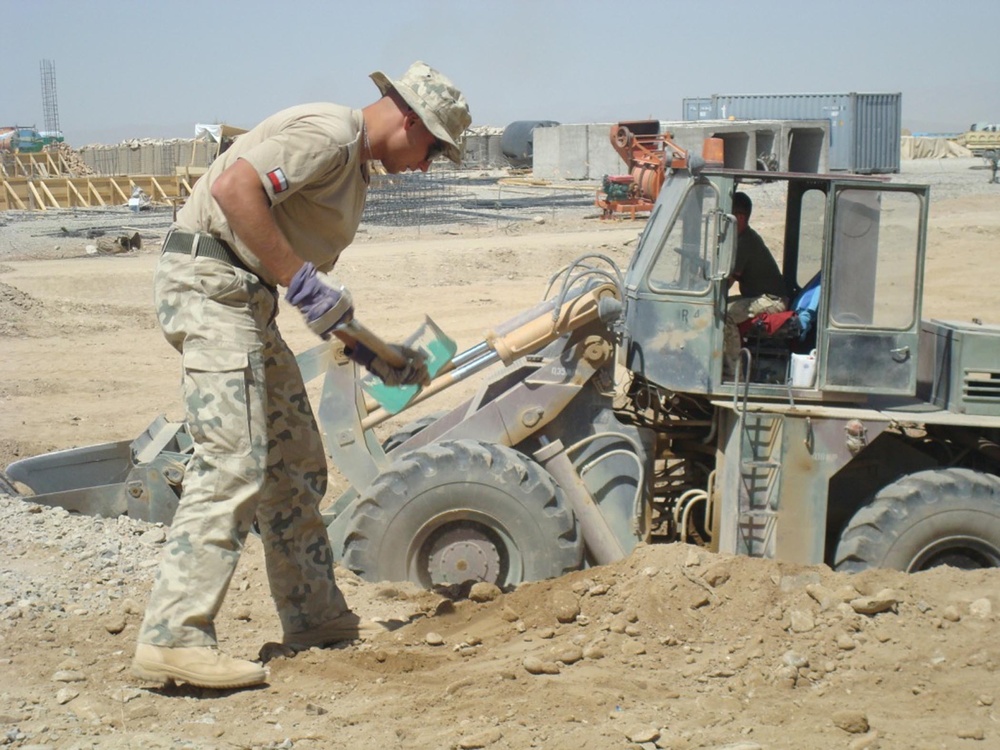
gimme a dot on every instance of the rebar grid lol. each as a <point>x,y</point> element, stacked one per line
<point>411,199</point>
<point>50,102</point>
<point>452,197</point>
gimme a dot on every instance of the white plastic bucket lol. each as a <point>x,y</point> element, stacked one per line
<point>804,370</point>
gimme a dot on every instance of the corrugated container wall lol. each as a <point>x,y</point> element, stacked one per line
<point>865,129</point>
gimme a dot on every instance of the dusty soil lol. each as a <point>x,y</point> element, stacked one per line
<point>673,647</point>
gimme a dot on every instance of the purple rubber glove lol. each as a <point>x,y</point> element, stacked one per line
<point>413,373</point>
<point>324,304</point>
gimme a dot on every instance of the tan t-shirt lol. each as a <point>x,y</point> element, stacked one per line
<point>309,161</point>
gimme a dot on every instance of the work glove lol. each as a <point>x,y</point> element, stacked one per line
<point>324,304</point>
<point>414,372</point>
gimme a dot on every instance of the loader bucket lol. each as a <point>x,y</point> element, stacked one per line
<point>139,478</point>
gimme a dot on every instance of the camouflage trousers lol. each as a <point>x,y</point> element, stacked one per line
<point>257,453</point>
<point>739,311</point>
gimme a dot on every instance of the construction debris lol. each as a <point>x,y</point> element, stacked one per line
<point>76,166</point>
<point>121,244</point>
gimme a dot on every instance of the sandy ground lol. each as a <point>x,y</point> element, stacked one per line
<point>673,647</point>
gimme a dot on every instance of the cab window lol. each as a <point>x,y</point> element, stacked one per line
<point>811,225</point>
<point>875,249</point>
<point>683,260</point>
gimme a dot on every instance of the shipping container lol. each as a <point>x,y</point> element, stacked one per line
<point>699,108</point>
<point>865,129</point>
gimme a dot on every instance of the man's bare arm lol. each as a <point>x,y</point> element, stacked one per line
<point>243,200</point>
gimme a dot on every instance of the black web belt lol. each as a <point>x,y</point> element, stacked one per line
<point>207,246</point>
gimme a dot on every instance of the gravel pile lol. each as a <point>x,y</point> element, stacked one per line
<point>671,648</point>
<point>60,565</point>
<point>949,178</point>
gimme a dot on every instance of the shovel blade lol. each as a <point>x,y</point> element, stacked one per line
<point>435,345</point>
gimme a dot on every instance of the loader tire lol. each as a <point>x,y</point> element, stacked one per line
<point>931,518</point>
<point>460,511</point>
<point>410,429</point>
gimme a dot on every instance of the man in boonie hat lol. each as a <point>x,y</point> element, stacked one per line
<point>275,209</point>
<point>427,97</point>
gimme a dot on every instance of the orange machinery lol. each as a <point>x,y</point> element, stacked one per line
<point>648,153</point>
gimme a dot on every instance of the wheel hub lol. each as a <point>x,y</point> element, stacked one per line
<point>460,554</point>
<point>962,552</point>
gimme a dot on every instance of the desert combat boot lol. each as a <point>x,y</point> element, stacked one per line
<point>345,627</point>
<point>201,666</point>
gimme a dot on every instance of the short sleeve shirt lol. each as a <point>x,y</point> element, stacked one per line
<point>309,161</point>
<point>756,269</point>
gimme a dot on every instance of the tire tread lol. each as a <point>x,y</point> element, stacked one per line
<point>389,492</point>
<point>874,527</point>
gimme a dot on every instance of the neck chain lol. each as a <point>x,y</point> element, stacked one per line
<point>368,148</point>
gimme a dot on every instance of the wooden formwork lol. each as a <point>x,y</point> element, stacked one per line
<point>40,164</point>
<point>25,193</point>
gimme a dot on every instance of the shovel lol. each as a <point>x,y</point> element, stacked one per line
<point>428,339</point>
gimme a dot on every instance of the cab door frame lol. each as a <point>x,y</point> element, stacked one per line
<point>872,288</point>
<point>675,286</point>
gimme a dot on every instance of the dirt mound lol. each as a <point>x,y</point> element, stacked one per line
<point>15,308</point>
<point>673,647</point>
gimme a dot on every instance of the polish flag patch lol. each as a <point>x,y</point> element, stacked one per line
<point>278,180</point>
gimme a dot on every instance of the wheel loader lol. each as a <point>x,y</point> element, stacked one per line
<point>861,437</point>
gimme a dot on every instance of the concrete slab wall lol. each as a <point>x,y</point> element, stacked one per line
<point>575,152</point>
<point>483,152</point>
<point>604,160</point>
<point>562,152</point>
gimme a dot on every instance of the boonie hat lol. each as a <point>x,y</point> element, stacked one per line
<point>437,102</point>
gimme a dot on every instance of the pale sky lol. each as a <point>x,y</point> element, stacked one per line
<point>131,69</point>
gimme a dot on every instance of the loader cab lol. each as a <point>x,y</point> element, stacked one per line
<point>861,240</point>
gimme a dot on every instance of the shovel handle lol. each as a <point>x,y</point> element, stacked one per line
<point>354,331</point>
